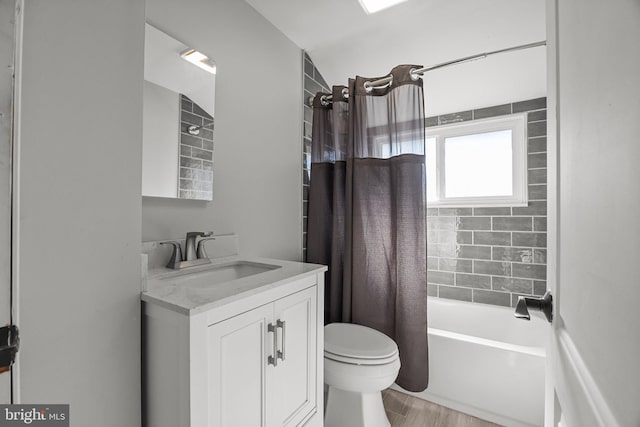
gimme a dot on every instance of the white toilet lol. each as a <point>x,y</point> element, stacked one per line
<point>359,363</point>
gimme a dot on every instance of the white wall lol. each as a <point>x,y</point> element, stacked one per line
<point>257,137</point>
<point>79,242</point>
<point>599,184</point>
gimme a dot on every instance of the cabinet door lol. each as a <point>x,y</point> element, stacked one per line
<point>238,349</point>
<point>293,391</point>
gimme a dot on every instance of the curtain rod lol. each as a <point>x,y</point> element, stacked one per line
<point>416,72</point>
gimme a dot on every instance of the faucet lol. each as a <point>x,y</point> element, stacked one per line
<point>190,244</point>
<point>192,257</point>
<point>544,304</point>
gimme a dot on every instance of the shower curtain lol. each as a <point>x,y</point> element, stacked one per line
<point>367,207</point>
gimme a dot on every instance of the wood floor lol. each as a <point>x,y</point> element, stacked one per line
<point>408,411</point>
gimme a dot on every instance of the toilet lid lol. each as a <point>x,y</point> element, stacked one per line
<point>349,341</point>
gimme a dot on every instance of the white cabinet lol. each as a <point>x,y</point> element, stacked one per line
<point>256,361</point>
<point>262,364</point>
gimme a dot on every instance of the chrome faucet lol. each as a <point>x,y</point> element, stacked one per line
<point>192,256</point>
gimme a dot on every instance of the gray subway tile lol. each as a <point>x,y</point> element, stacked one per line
<point>455,211</point>
<point>537,145</point>
<point>529,271</point>
<point>536,240</point>
<point>537,160</point>
<point>474,252</point>
<point>190,118</point>
<point>535,116</point>
<point>539,287</point>
<point>432,263</point>
<point>188,162</point>
<point>492,297</point>
<point>536,129</point>
<point>512,223</point>
<point>201,154</point>
<point>473,223</point>
<point>510,284</point>
<point>207,145</point>
<point>206,134</point>
<point>308,114</point>
<point>432,235</point>
<point>464,237</point>
<point>473,281</point>
<point>308,68</point>
<point>431,121</point>
<point>208,166</point>
<point>187,173</point>
<point>452,237</point>
<point>534,208</point>
<point>311,85</point>
<point>456,265</point>
<point>432,212</point>
<point>452,292</point>
<point>540,256</point>
<point>185,150</point>
<point>186,184</point>
<point>540,224</point>
<point>537,176</point>
<point>530,104</point>
<point>442,250</point>
<point>432,290</point>
<point>492,211</point>
<point>512,253</point>
<point>190,140</point>
<point>495,268</point>
<point>498,110</point>
<point>440,277</point>
<point>461,116</point>
<point>498,238</point>
<point>185,194</point>
<point>442,223</point>
<point>537,192</point>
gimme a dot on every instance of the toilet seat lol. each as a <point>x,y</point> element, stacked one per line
<point>358,345</point>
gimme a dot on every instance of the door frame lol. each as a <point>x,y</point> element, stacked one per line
<point>15,186</point>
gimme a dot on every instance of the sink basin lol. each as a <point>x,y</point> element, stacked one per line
<point>220,273</point>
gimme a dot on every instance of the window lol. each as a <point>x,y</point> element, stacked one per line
<point>477,163</point>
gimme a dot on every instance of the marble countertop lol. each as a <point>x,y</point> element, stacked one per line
<point>187,291</point>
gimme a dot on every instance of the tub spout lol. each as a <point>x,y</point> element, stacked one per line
<point>543,304</point>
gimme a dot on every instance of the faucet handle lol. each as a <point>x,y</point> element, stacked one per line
<point>176,254</point>
<point>201,253</point>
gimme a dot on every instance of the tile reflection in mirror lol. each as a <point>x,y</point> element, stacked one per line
<point>178,121</point>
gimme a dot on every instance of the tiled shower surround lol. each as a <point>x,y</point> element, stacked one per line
<point>493,254</point>
<point>488,255</point>
<point>313,83</point>
<point>196,152</point>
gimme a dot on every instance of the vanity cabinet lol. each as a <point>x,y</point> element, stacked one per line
<point>253,360</point>
<point>262,364</point>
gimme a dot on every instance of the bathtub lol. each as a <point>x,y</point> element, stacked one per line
<point>485,362</point>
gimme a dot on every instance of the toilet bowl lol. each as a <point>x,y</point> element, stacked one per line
<point>359,362</point>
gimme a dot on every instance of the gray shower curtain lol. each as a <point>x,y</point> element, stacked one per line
<point>367,206</point>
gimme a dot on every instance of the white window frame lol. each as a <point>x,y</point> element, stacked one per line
<point>514,122</point>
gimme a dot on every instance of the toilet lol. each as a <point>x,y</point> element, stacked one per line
<point>359,362</point>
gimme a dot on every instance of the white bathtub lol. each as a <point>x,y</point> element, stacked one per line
<point>485,362</point>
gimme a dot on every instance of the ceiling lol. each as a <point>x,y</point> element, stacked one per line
<point>343,41</point>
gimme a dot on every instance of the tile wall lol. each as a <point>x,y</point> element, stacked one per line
<point>313,83</point>
<point>493,254</point>
<point>196,152</point>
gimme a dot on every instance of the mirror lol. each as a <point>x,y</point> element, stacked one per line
<point>178,119</point>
